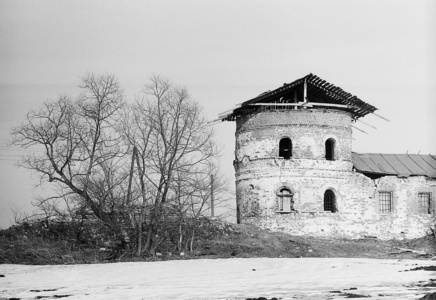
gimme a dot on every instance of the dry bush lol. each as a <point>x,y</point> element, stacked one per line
<point>50,242</point>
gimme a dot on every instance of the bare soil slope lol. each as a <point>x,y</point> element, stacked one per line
<point>251,241</point>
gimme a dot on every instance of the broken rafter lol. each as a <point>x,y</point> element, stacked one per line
<point>305,91</point>
<point>277,104</point>
<point>229,110</point>
<point>222,116</point>
<point>302,104</point>
<point>359,129</point>
<point>329,105</point>
<point>213,122</point>
<point>381,117</point>
<point>309,87</point>
<point>367,124</point>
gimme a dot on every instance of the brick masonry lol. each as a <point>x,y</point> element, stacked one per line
<point>261,173</point>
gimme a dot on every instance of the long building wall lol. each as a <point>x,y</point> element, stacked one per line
<point>358,206</point>
<point>261,174</point>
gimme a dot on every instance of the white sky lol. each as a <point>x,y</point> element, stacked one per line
<point>224,52</point>
<point>230,279</point>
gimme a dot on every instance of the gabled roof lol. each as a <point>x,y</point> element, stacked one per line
<point>307,92</point>
<point>402,165</point>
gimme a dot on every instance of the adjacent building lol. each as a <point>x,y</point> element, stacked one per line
<point>296,172</point>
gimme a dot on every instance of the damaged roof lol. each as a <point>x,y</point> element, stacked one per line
<point>401,165</point>
<point>308,92</point>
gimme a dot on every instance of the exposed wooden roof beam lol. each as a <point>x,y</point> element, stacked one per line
<point>381,117</point>
<point>305,91</point>
<point>310,86</point>
<point>213,122</point>
<point>229,110</point>
<point>359,129</point>
<point>301,104</point>
<point>367,124</point>
<point>277,104</point>
<point>330,105</point>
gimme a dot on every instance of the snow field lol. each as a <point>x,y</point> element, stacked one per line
<point>235,278</point>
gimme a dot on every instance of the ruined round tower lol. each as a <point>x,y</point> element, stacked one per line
<point>287,159</point>
<point>296,172</point>
<point>293,149</point>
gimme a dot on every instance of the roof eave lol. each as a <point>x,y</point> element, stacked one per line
<point>330,93</point>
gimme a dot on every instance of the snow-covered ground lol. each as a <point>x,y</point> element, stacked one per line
<point>236,278</point>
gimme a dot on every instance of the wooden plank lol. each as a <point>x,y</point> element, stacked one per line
<point>301,104</point>
<point>359,129</point>
<point>277,104</point>
<point>329,104</point>
<point>229,110</point>
<point>313,80</point>
<point>367,124</point>
<point>381,117</point>
<point>213,122</point>
<point>305,91</point>
<point>225,115</point>
<point>295,98</point>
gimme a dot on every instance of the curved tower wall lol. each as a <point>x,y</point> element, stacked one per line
<point>261,173</point>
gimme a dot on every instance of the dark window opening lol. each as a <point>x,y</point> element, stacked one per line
<point>424,203</point>
<point>330,201</point>
<point>285,148</point>
<point>286,200</point>
<point>330,149</point>
<point>385,201</point>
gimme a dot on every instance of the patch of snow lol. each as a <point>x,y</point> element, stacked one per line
<point>235,278</point>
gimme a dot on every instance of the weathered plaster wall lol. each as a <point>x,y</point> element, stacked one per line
<point>260,173</point>
<point>358,209</point>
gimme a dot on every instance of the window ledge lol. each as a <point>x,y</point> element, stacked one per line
<point>286,212</point>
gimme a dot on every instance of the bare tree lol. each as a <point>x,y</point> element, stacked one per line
<point>173,141</point>
<point>81,148</point>
<point>193,195</point>
<point>139,168</point>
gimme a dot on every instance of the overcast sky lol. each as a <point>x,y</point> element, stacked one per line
<point>223,52</point>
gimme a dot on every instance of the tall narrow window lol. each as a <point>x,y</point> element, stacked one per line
<point>286,200</point>
<point>329,201</point>
<point>424,203</point>
<point>285,148</point>
<point>330,149</point>
<point>385,202</point>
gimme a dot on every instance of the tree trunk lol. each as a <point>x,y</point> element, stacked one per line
<point>149,247</point>
<point>191,248</point>
<point>139,249</point>
<point>179,244</point>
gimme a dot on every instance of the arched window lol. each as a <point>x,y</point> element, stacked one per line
<point>330,201</point>
<point>330,149</point>
<point>285,199</point>
<point>285,148</point>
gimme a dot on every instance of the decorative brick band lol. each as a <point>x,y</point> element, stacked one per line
<point>293,117</point>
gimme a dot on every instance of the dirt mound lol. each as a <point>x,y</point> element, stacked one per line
<point>39,244</point>
<point>251,241</point>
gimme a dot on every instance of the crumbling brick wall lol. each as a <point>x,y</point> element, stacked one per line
<point>258,135</point>
<point>261,173</point>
